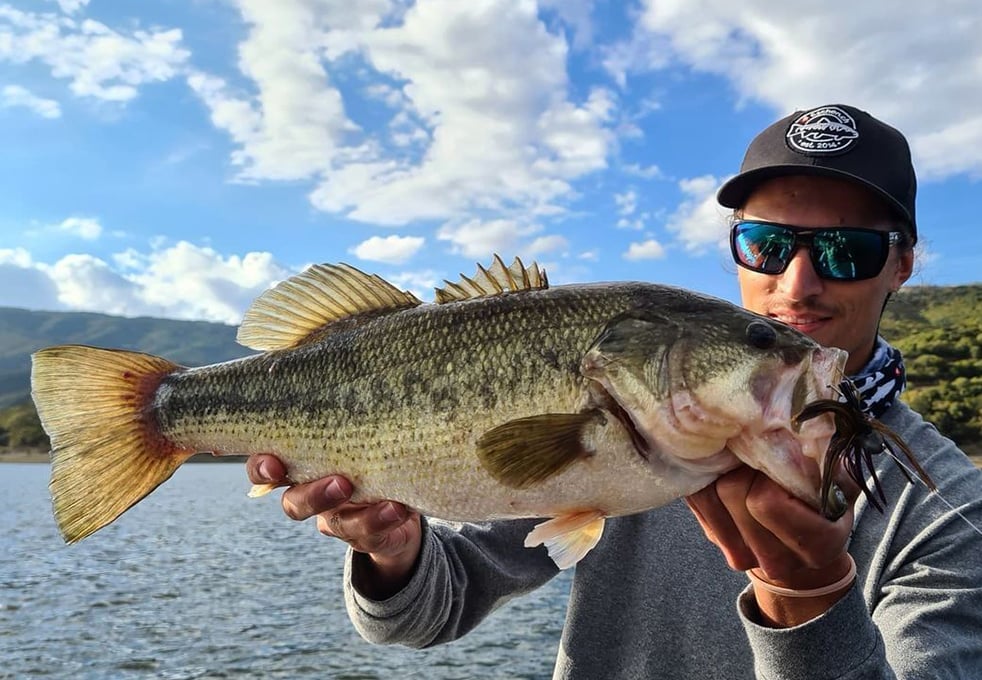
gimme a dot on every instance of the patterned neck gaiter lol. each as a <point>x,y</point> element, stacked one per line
<point>882,380</point>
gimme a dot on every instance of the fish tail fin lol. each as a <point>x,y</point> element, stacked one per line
<point>106,452</point>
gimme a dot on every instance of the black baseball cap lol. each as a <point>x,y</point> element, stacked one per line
<point>835,140</point>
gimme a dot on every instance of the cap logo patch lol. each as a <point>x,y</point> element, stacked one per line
<point>825,130</point>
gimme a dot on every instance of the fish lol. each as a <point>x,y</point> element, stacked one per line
<point>503,398</point>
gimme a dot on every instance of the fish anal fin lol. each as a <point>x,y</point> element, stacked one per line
<point>568,538</point>
<point>298,310</point>
<point>494,280</point>
<point>524,452</point>
<point>106,453</point>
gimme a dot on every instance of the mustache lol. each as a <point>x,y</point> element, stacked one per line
<point>802,308</point>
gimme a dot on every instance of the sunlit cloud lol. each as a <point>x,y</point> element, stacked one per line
<point>650,249</point>
<point>15,96</point>
<point>388,249</point>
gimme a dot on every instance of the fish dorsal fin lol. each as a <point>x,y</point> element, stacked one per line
<point>292,312</point>
<point>495,280</point>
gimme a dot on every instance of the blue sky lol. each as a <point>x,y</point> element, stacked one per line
<point>176,158</point>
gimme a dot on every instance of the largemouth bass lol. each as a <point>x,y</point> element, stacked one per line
<point>504,399</point>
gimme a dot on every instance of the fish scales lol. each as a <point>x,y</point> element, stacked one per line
<point>507,398</point>
<point>401,399</point>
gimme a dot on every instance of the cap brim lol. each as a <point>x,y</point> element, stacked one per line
<point>735,191</point>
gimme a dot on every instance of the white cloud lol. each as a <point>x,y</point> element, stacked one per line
<point>627,202</point>
<point>16,96</point>
<point>16,257</point>
<point>546,244</point>
<point>24,284</point>
<point>181,281</point>
<point>97,61</point>
<point>577,14</point>
<point>479,240</point>
<point>474,130</point>
<point>645,250</point>
<point>191,282</point>
<point>635,224</point>
<point>419,283</point>
<point>906,67</point>
<point>71,6</point>
<point>645,172</point>
<point>83,227</point>
<point>85,282</point>
<point>699,221</point>
<point>293,126</point>
<point>389,249</point>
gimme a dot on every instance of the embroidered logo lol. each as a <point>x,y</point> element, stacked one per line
<point>825,130</point>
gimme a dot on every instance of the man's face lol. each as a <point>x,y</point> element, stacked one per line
<point>843,314</point>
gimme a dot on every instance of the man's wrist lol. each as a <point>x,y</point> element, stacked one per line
<point>785,604</point>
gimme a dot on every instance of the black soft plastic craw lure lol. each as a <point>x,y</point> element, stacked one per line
<point>858,437</point>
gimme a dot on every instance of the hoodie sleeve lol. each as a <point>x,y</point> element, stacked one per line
<point>464,572</point>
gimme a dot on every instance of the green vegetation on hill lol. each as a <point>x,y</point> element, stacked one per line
<point>939,330</point>
<point>190,343</point>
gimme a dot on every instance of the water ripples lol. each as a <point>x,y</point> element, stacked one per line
<point>198,581</point>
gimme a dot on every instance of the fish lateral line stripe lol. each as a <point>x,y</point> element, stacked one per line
<point>106,453</point>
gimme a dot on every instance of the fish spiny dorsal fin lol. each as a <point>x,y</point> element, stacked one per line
<point>293,311</point>
<point>496,280</point>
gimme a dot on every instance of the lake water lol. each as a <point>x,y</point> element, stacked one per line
<point>199,581</point>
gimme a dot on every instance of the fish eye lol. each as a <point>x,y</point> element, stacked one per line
<point>761,335</point>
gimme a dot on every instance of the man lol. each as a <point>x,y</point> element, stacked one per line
<point>823,233</point>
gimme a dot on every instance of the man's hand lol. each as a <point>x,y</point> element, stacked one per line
<point>758,525</point>
<point>387,532</point>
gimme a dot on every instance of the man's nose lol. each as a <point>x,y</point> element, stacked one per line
<point>800,281</point>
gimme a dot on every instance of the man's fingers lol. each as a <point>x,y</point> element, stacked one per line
<point>265,469</point>
<point>306,500</point>
<point>799,529</point>
<point>719,527</point>
<point>368,528</point>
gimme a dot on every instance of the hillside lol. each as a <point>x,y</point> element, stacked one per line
<point>190,343</point>
<point>939,330</point>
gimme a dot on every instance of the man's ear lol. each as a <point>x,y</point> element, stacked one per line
<point>904,268</point>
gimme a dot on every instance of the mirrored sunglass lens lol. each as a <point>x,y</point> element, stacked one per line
<point>842,254</point>
<point>762,247</point>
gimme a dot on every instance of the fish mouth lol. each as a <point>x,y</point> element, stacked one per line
<point>791,452</point>
<point>600,399</point>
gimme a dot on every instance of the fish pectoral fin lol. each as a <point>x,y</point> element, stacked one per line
<point>302,308</point>
<point>526,451</point>
<point>495,280</point>
<point>568,538</point>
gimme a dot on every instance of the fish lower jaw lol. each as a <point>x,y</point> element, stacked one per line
<point>785,458</point>
<point>718,463</point>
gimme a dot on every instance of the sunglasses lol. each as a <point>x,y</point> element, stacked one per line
<point>838,254</point>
